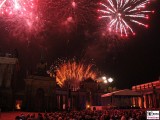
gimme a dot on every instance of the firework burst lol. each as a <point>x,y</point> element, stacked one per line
<point>74,72</point>
<point>23,17</point>
<point>120,15</point>
<point>75,12</point>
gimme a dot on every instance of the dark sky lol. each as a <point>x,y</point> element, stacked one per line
<point>129,61</point>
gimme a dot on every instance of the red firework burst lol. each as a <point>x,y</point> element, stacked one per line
<point>22,16</point>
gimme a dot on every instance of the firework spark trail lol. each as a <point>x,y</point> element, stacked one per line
<point>75,72</point>
<point>122,13</point>
<point>2,3</point>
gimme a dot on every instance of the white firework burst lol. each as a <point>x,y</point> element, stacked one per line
<point>120,15</point>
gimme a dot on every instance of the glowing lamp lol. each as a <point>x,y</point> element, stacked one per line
<point>110,80</point>
<point>105,81</point>
<point>88,106</point>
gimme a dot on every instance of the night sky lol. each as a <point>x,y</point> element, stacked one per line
<point>131,61</point>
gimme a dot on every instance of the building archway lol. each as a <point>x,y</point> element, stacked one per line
<point>39,100</point>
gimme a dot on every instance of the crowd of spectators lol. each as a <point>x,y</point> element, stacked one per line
<point>87,115</point>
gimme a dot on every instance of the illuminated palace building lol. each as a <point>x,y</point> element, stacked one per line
<point>42,93</point>
<point>150,95</point>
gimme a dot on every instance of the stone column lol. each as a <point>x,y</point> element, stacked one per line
<point>149,100</point>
